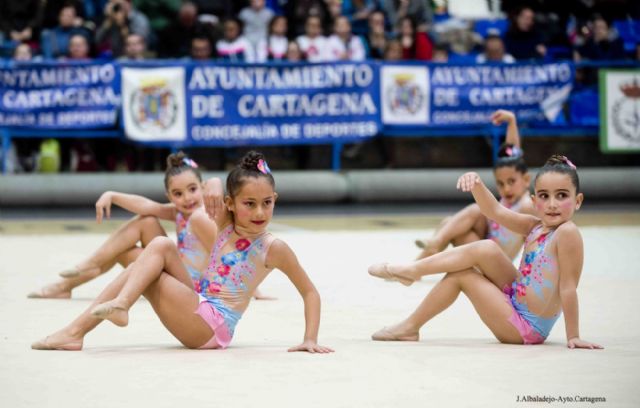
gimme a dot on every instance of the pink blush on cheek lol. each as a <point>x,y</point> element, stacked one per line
<point>241,212</point>
<point>567,205</point>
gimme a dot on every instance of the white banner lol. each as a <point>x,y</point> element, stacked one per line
<point>153,104</point>
<point>404,95</point>
<point>620,111</point>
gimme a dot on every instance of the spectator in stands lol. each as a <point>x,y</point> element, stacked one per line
<point>256,19</point>
<point>54,43</point>
<point>358,12</point>
<point>377,36</point>
<point>459,36</point>
<point>494,51</point>
<point>419,11</point>
<point>416,45</point>
<point>135,48</point>
<point>274,48</point>
<point>440,53</point>
<point>298,12</point>
<point>176,40</point>
<point>22,52</point>
<point>393,51</point>
<point>343,45</point>
<point>603,44</point>
<point>294,53</point>
<point>137,22</point>
<point>79,48</point>
<point>120,20</point>
<point>313,44</point>
<point>522,40</point>
<point>160,13</point>
<point>20,19</point>
<point>234,46</point>
<point>94,10</point>
<point>201,48</point>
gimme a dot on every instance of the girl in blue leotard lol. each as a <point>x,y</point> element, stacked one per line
<point>520,306</point>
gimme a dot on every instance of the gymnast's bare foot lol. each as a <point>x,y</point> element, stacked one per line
<point>113,311</point>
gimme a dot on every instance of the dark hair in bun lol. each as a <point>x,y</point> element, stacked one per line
<point>178,163</point>
<point>511,156</point>
<point>253,164</point>
<point>561,164</point>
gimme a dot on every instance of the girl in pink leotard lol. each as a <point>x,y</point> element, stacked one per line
<point>520,305</point>
<point>203,312</point>
<point>186,194</point>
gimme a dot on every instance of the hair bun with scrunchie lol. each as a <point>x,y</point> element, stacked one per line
<point>250,161</point>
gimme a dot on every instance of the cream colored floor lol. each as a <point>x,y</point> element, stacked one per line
<point>456,363</point>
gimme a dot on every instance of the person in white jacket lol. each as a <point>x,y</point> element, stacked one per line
<point>343,45</point>
<point>234,46</point>
<point>313,44</point>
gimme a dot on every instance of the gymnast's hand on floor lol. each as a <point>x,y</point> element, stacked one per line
<point>311,347</point>
<point>576,342</point>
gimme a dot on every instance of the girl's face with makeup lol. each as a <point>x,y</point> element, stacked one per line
<point>555,199</point>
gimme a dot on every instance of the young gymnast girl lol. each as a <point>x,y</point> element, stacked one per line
<point>469,224</point>
<point>520,306</point>
<point>184,189</point>
<point>203,313</point>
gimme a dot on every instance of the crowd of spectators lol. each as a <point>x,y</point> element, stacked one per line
<point>469,31</point>
<point>319,30</point>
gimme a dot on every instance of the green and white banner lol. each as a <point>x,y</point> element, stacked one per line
<point>620,111</point>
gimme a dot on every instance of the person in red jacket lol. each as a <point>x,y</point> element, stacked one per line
<point>415,45</point>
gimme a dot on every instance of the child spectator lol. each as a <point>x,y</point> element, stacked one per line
<point>234,46</point>
<point>343,45</point>
<point>135,48</point>
<point>201,48</point>
<point>313,44</point>
<point>294,53</point>
<point>274,48</point>
<point>494,51</point>
<point>440,53</point>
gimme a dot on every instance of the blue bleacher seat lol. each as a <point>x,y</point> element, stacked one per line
<point>483,26</point>
<point>556,53</point>
<point>629,32</point>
